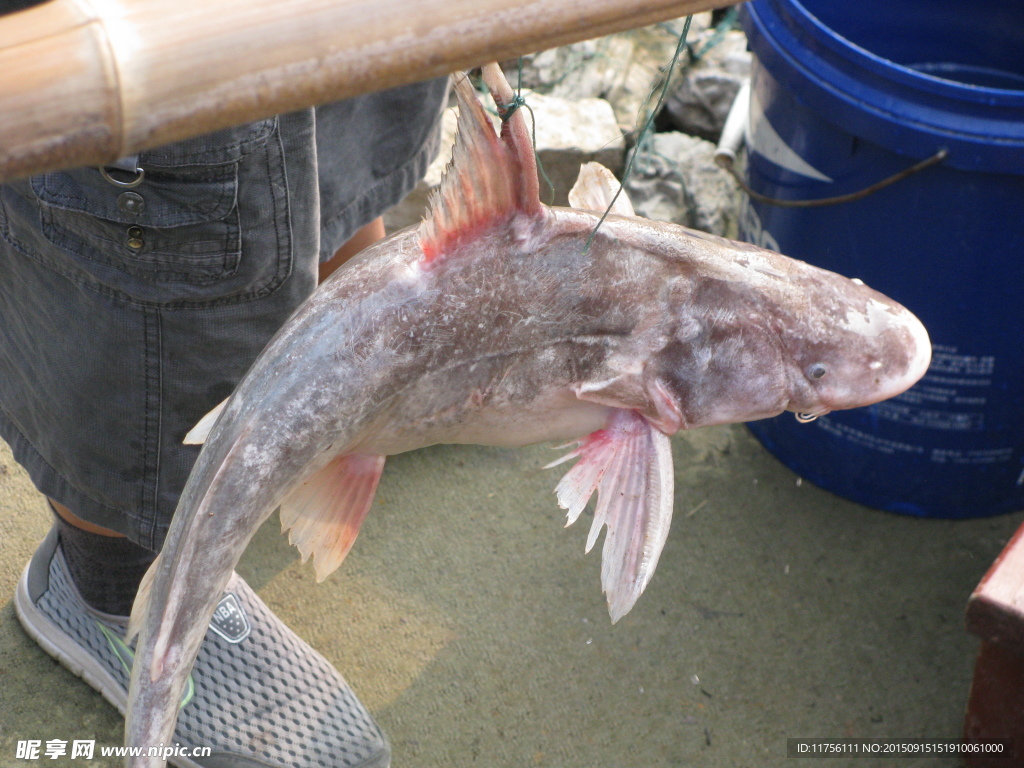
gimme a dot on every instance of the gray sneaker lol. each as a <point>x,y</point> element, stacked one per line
<point>258,696</point>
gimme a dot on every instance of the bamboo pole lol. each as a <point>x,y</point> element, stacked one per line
<point>83,82</point>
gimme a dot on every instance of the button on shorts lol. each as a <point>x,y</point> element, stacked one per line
<point>127,314</point>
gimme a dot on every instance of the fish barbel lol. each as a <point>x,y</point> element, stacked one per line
<point>495,322</point>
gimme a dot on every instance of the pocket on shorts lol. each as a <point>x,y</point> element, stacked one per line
<point>205,225</point>
<point>187,230</point>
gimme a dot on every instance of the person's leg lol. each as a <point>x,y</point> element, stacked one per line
<point>71,518</point>
<point>114,343</point>
<point>106,567</point>
<point>363,238</point>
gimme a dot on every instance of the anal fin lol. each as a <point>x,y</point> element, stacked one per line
<point>198,434</point>
<point>629,464</point>
<point>141,604</point>
<point>323,515</point>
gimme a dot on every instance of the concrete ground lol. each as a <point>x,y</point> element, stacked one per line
<point>473,626</point>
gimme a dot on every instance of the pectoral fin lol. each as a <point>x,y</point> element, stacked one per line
<point>629,464</point>
<point>325,512</point>
<point>652,399</point>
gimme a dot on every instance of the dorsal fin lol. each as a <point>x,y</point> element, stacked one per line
<point>596,189</point>
<point>489,179</point>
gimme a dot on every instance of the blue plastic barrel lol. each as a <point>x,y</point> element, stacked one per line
<point>843,95</point>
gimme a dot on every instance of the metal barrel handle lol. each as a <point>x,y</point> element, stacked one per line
<point>732,139</point>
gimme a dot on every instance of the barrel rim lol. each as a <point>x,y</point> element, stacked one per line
<point>892,70</point>
<point>908,112</point>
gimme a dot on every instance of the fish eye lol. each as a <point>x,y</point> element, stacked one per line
<point>817,370</point>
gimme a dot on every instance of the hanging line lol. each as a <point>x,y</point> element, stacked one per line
<point>645,130</point>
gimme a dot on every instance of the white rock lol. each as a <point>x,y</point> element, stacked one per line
<point>623,68</point>
<point>570,133</point>
<point>674,178</point>
<point>700,102</point>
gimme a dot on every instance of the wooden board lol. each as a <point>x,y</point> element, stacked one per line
<point>995,610</point>
<point>83,82</point>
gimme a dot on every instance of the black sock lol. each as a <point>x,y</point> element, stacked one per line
<point>106,570</point>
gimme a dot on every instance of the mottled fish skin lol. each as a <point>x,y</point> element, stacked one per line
<point>514,335</point>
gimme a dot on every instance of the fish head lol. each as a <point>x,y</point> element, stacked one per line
<point>756,334</point>
<point>848,346</point>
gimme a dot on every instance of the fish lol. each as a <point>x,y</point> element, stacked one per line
<point>501,321</point>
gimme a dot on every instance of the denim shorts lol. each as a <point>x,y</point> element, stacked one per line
<point>127,314</point>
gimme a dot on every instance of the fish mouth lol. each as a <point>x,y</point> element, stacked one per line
<point>806,417</point>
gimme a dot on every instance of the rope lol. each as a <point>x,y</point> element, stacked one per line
<point>645,130</point>
<point>727,23</point>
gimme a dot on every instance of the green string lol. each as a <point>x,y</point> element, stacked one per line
<point>536,156</point>
<point>645,130</point>
<point>505,112</point>
<point>727,23</point>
